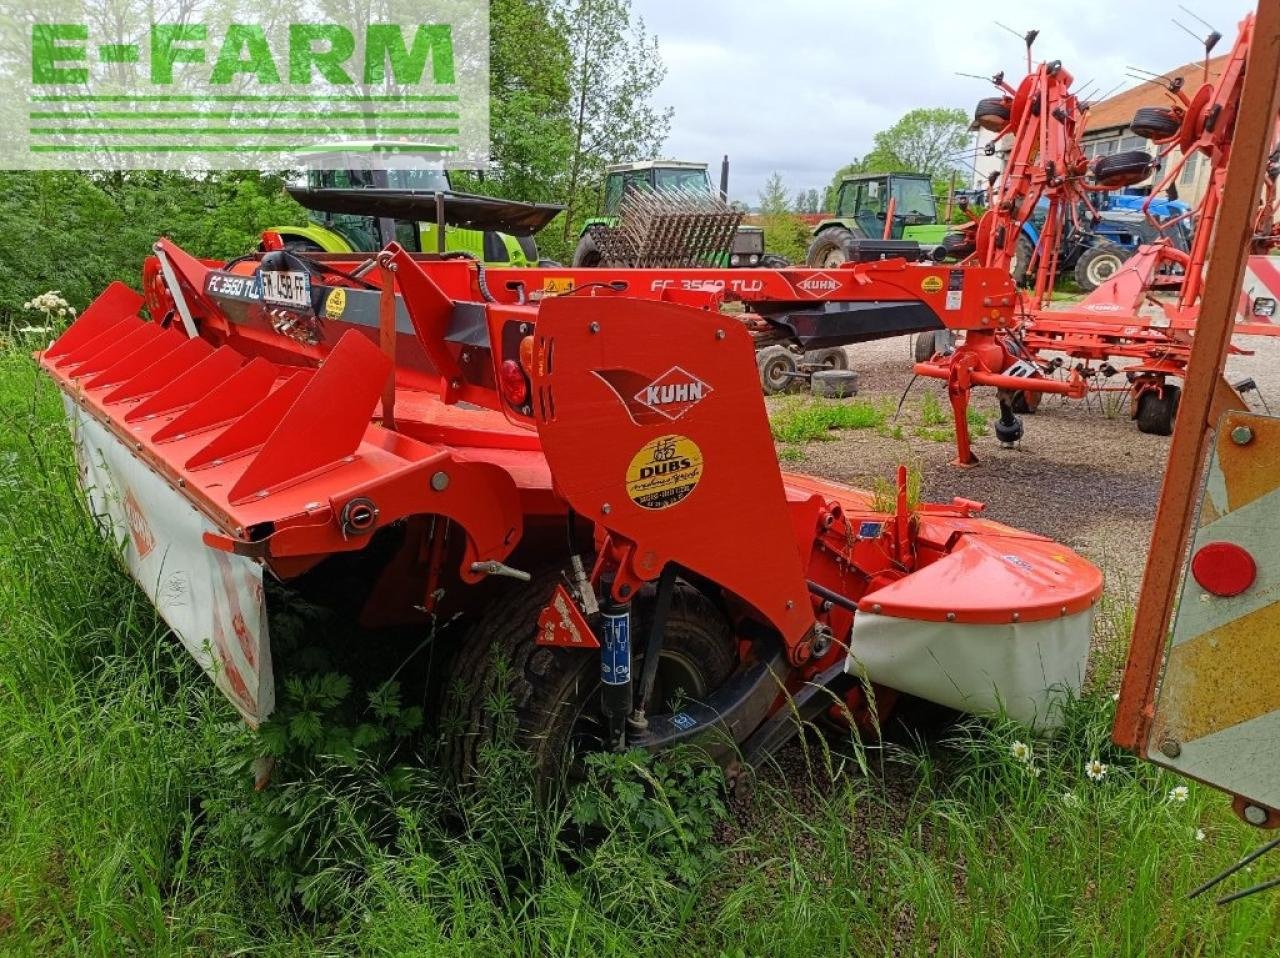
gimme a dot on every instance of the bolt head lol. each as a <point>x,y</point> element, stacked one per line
<point>1170,748</point>
<point>606,508</point>
<point>594,328</point>
<point>440,481</point>
<point>1242,435</point>
<point>951,616</point>
<point>876,608</point>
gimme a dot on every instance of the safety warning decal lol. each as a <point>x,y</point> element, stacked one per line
<point>336,303</point>
<point>931,284</point>
<point>664,472</point>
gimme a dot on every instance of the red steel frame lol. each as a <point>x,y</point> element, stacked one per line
<point>1205,396</point>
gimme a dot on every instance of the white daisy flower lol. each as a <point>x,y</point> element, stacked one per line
<point>1020,751</point>
<point>1095,769</point>
<point>1179,793</point>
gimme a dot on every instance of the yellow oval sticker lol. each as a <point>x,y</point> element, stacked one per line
<point>336,304</point>
<point>664,472</point>
<point>931,284</point>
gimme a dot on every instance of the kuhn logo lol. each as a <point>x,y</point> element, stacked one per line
<point>818,284</point>
<point>673,393</point>
<point>139,528</point>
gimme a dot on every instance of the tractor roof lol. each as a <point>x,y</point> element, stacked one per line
<point>653,165</point>
<point>371,154</point>
<point>902,175</point>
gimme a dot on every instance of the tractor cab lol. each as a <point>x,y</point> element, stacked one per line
<point>360,199</point>
<point>879,215</point>
<point>656,175</point>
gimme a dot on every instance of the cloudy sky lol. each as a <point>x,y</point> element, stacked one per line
<point>801,86</point>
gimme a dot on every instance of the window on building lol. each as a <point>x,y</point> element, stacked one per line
<point>1133,143</point>
<point>1190,171</point>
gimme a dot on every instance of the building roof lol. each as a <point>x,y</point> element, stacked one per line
<point>1115,112</point>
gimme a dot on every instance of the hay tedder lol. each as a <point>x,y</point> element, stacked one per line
<point>558,473</point>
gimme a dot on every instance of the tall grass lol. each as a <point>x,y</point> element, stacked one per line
<point>129,826</point>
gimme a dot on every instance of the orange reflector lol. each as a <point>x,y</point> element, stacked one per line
<point>526,354</point>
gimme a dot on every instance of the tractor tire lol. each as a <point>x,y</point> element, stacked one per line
<point>830,248</point>
<point>775,363</point>
<point>834,358</point>
<point>992,113</point>
<point>1122,169</point>
<point>834,383</point>
<point>1156,413</point>
<point>587,255</point>
<point>1156,123</point>
<point>774,261</point>
<point>1098,264</point>
<point>300,245</point>
<point>959,245</point>
<point>1020,268</point>
<point>553,694</point>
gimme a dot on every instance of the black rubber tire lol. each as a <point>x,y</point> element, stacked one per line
<point>834,383</point>
<point>1156,413</point>
<point>301,245</point>
<point>924,346</point>
<point>1098,264</point>
<point>833,358</point>
<point>548,688</point>
<point>1026,403</point>
<point>992,113</point>
<point>587,255</point>
<point>1020,268</point>
<point>774,362</point>
<point>773,261</point>
<point>1155,123</point>
<point>529,246</point>
<point>829,248</point>
<point>1122,169</point>
<point>959,245</point>
<point>1008,435</point>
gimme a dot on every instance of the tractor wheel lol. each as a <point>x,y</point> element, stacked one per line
<point>554,693</point>
<point>588,253</point>
<point>829,248</point>
<point>1156,413</point>
<point>1020,268</point>
<point>959,245</point>
<point>775,363</point>
<point>833,358</point>
<point>300,245</point>
<point>924,346</point>
<point>1122,169</point>
<point>992,113</point>
<point>1155,123</point>
<point>774,261</point>
<point>1098,264</point>
<point>834,383</point>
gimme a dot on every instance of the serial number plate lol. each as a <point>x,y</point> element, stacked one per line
<point>286,288</point>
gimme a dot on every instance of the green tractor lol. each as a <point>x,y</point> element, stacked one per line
<point>694,227</point>
<point>360,197</point>
<point>863,207</point>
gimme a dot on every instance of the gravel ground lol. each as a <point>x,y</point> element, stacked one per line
<point>1087,480</point>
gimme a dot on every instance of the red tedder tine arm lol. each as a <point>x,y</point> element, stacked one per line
<point>326,422</point>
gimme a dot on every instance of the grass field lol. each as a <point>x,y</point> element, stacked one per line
<point>128,824</point>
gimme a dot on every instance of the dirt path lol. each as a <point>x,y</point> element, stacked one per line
<point>1089,481</point>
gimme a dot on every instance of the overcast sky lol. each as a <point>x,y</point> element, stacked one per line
<point>802,86</point>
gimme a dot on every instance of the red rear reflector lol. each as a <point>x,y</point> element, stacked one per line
<point>515,387</point>
<point>1224,568</point>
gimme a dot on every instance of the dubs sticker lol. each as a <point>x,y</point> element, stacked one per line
<point>336,304</point>
<point>931,284</point>
<point>664,472</point>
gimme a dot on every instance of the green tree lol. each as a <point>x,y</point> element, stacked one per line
<point>615,70</point>
<point>784,232</point>
<point>774,197</point>
<point>926,140</point>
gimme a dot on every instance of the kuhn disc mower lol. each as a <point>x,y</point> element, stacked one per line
<point>589,479</point>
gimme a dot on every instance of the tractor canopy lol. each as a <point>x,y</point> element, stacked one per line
<point>862,207</point>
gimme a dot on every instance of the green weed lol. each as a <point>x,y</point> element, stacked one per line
<point>801,419</point>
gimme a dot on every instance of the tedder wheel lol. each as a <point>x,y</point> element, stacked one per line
<point>774,261</point>
<point>929,344</point>
<point>1098,264</point>
<point>1155,123</point>
<point>1122,169</point>
<point>1026,403</point>
<point>588,253</point>
<point>958,245</point>
<point>1020,268</point>
<point>554,693</point>
<point>829,248</point>
<point>776,363</point>
<point>834,358</point>
<point>1156,413</point>
<point>834,383</point>
<point>992,113</point>
<point>300,245</point>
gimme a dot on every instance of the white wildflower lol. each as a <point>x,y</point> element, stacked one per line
<point>1179,793</point>
<point>1034,771</point>
<point>1095,769</point>
<point>1071,799</point>
<point>1020,751</point>
<point>1199,834</point>
<point>1115,696</point>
